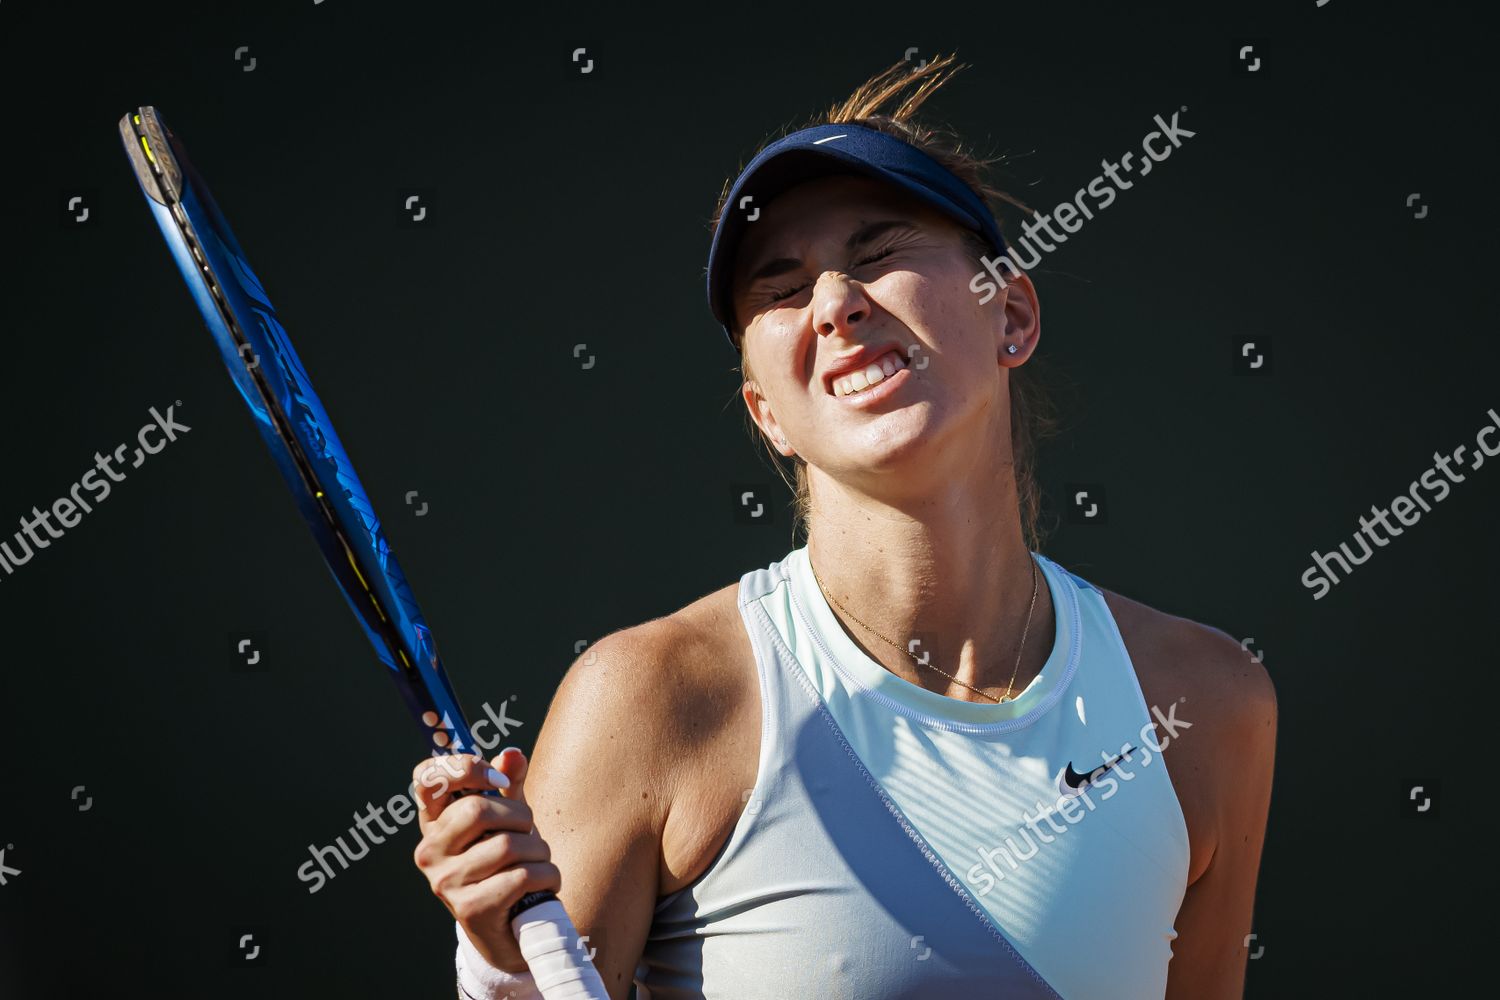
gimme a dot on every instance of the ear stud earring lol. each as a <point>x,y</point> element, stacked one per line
<point>1011,348</point>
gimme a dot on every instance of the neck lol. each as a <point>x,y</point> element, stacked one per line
<point>945,571</point>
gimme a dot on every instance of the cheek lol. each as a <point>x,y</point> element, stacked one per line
<point>934,308</point>
<point>910,296</point>
<point>776,360</point>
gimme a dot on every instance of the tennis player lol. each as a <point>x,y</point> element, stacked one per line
<point>913,758</point>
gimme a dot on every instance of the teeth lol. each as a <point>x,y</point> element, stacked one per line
<point>875,372</point>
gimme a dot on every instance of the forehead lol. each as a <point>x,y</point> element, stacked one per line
<point>825,208</point>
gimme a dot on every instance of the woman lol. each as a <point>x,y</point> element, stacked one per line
<point>913,758</point>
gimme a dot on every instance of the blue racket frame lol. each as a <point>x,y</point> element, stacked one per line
<point>294,425</point>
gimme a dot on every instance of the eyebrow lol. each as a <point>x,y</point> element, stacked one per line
<point>867,233</point>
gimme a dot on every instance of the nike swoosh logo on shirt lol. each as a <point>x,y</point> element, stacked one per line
<point>1075,780</point>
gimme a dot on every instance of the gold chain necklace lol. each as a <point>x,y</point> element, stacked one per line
<point>907,649</point>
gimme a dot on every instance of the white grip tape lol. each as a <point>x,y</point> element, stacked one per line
<point>558,961</point>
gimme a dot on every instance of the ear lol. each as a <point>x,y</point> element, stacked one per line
<point>765,419</point>
<point>1021,318</point>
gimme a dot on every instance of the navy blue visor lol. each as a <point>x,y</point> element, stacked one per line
<point>834,149</point>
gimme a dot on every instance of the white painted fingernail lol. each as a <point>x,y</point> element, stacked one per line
<point>496,778</point>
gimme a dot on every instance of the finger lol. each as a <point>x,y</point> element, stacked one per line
<point>470,821</point>
<point>494,896</point>
<point>436,779</point>
<point>512,763</point>
<point>473,818</point>
<point>495,854</point>
<point>432,784</point>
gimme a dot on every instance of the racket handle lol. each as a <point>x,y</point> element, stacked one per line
<point>549,942</point>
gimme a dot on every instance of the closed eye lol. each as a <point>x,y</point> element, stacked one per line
<point>895,242</point>
<point>782,294</point>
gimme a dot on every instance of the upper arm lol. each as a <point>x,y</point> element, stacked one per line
<point>599,789</point>
<point>1228,777</point>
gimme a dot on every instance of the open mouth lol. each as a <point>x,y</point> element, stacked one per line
<point>863,379</point>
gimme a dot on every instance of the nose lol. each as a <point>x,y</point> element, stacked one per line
<point>838,304</point>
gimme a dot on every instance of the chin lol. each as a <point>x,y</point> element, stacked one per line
<point>894,441</point>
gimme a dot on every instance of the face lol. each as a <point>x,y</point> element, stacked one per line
<point>841,264</point>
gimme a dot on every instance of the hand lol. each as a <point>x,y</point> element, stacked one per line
<point>481,855</point>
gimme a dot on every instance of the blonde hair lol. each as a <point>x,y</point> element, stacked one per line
<point>888,101</point>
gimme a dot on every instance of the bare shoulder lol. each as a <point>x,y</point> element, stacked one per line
<point>658,727</point>
<point>1215,709</point>
<point>1192,664</point>
<point>674,675</point>
<point>634,780</point>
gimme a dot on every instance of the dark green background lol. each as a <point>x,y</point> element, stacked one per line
<point>565,504</point>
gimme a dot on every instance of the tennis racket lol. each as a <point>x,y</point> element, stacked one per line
<point>295,426</point>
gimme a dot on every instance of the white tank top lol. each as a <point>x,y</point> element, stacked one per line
<point>899,843</point>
